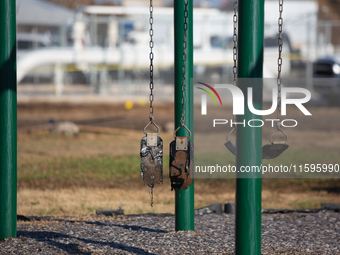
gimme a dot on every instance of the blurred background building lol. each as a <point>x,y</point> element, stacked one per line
<point>101,46</point>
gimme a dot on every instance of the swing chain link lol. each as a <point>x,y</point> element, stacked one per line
<point>151,56</point>
<point>235,52</point>
<point>184,68</point>
<point>235,42</point>
<point>279,65</point>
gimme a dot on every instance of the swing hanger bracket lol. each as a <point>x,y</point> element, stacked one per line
<point>182,141</point>
<point>151,122</point>
<point>187,129</point>
<point>151,137</point>
<point>278,142</point>
<point>231,131</point>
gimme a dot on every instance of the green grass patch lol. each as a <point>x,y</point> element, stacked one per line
<point>84,169</point>
<point>105,170</point>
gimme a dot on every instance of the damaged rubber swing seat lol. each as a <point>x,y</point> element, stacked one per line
<point>181,149</point>
<point>275,148</point>
<point>151,151</point>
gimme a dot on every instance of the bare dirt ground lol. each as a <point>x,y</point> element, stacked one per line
<point>112,130</point>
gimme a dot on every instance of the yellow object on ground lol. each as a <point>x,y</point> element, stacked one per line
<point>128,105</point>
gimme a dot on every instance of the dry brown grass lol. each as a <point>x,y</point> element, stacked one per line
<point>81,201</point>
<point>64,197</point>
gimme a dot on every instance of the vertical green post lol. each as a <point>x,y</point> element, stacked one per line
<point>8,120</point>
<point>249,139</point>
<point>184,199</point>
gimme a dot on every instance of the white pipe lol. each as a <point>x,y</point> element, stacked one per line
<point>127,57</point>
<point>64,56</point>
<point>134,57</point>
<point>140,10</point>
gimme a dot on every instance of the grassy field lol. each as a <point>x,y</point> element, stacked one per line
<point>65,175</point>
<point>60,175</point>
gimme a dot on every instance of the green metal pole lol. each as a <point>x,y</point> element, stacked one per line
<point>249,139</point>
<point>184,199</point>
<point>8,120</point>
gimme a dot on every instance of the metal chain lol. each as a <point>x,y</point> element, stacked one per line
<point>235,50</point>
<point>279,65</point>
<point>151,96</point>
<point>235,42</point>
<point>151,195</point>
<point>184,68</point>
